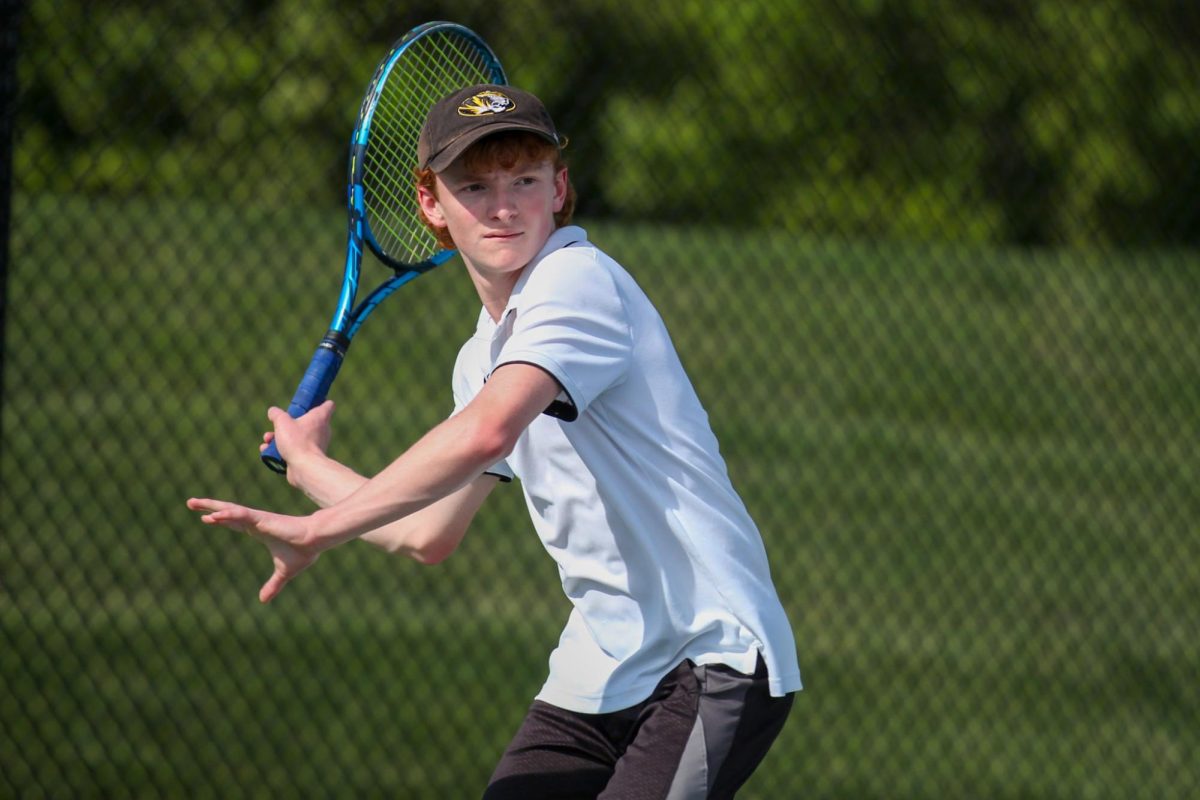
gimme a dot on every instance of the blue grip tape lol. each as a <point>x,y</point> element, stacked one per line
<point>313,389</point>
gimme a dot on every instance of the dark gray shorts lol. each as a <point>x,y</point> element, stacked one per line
<point>699,735</point>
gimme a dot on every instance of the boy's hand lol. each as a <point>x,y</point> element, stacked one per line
<point>286,538</point>
<point>295,437</point>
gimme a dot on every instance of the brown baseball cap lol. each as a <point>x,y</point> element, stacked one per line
<point>459,120</point>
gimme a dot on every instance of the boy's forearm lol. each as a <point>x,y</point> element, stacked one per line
<point>322,479</point>
<point>442,461</point>
<point>326,482</point>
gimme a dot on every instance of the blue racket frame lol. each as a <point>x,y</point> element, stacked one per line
<point>348,317</point>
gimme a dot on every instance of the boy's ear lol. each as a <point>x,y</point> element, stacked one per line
<point>560,189</point>
<point>428,204</point>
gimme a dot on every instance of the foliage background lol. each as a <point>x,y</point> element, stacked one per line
<point>932,266</point>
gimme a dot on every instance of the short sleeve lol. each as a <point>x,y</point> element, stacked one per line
<point>573,323</point>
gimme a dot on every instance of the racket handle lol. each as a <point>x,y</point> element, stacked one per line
<point>313,388</point>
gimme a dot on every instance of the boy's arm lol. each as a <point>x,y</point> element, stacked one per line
<point>427,536</point>
<point>450,457</point>
<point>444,460</point>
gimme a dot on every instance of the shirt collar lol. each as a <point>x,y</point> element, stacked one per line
<point>560,238</point>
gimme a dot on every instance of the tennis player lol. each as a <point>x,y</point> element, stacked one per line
<point>676,668</point>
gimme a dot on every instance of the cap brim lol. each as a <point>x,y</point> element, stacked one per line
<point>459,146</point>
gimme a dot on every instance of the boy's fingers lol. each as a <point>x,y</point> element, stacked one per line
<point>272,587</point>
<point>211,508</point>
<point>218,512</point>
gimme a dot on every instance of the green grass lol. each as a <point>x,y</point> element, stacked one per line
<point>974,471</point>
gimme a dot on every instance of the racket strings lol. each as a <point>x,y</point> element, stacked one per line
<point>432,67</point>
<point>403,110</point>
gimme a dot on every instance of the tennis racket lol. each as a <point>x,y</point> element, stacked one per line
<point>428,63</point>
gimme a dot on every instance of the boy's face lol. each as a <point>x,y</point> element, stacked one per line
<point>499,218</point>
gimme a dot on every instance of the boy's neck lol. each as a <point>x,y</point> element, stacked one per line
<point>494,290</point>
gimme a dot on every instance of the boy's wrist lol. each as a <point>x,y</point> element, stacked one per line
<point>317,531</point>
<point>301,466</point>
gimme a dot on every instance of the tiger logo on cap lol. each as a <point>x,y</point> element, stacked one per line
<point>484,103</point>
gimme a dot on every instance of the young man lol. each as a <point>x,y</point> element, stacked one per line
<point>675,670</point>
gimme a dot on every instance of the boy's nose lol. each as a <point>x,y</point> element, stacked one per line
<point>504,207</point>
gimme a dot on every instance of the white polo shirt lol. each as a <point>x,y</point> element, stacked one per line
<point>627,489</point>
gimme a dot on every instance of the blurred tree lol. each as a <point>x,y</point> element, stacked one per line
<point>1025,121</point>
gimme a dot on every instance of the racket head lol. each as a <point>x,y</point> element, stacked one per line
<point>428,63</point>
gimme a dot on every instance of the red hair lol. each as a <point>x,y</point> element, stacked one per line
<point>503,150</point>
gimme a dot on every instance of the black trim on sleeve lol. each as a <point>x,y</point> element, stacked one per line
<point>503,478</point>
<point>559,409</point>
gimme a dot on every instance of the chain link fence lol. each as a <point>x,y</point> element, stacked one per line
<point>932,266</point>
